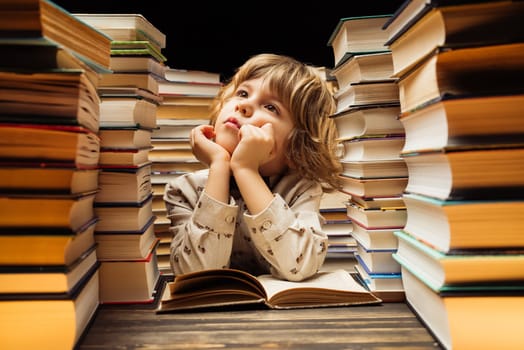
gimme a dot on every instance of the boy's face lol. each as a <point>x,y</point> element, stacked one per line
<point>253,103</point>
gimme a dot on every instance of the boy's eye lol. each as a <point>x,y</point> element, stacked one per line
<point>271,108</point>
<point>241,93</point>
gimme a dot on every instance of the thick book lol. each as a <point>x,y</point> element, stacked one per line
<point>479,23</point>
<point>41,246</point>
<point>116,286</point>
<point>373,148</point>
<point>370,120</point>
<point>481,71</point>
<point>486,319</point>
<point>125,26</point>
<point>54,97</point>
<point>123,217</point>
<point>374,168</point>
<point>462,173</point>
<point>51,144</point>
<point>145,81</point>
<point>363,67</point>
<point>124,185</point>
<point>461,269</point>
<point>374,187</point>
<point>357,35</point>
<point>57,319</point>
<point>387,286</point>
<point>31,211</point>
<point>114,158</point>
<point>35,178</point>
<point>127,111</point>
<point>465,224</point>
<point>137,64</point>
<point>374,238</point>
<point>373,218</point>
<point>462,121</point>
<point>125,137</point>
<point>191,76</point>
<point>39,279</point>
<point>126,245</point>
<point>229,287</point>
<point>366,93</point>
<point>377,260</point>
<point>183,88</point>
<point>44,22</point>
<point>183,111</point>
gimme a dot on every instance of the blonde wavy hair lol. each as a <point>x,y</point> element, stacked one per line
<point>312,145</point>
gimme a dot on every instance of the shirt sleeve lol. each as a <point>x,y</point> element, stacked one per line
<point>202,227</point>
<point>289,236</point>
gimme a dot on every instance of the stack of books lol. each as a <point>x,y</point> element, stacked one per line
<point>125,234</point>
<point>49,153</point>
<point>187,96</point>
<point>371,138</point>
<point>462,249</point>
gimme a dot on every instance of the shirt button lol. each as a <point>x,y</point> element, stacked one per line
<point>267,224</point>
<point>230,219</point>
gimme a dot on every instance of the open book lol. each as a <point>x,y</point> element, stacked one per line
<point>230,287</point>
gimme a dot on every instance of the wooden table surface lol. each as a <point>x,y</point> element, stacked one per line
<point>385,326</point>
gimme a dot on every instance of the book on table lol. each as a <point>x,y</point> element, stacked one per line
<point>357,35</point>
<point>125,27</point>
<point>229,287</point>
<point>58,319</point>
<point>127,111</point>
<point>366,93</point>
<point>130,281</point>
<point>43,22</point>
<point>44,178</point>
<point>455,122</point>
<point>467,172</point>
<point>45,246</point>
<point>386,286</point>
<point>488,318</point>
<point>460,268</point>
<point>479,23</point>
<point>449,225</point>
<point>368,120</point>
<point>52,144</point>
<point>482,70</point>
<point>363,67</point>
<point>64,97</point>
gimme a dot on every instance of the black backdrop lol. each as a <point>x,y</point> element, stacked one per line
<point>218,36</point>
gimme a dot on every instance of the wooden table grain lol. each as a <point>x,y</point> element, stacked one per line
<point>376,327</point>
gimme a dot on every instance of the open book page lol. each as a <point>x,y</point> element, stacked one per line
<point>324,289</point>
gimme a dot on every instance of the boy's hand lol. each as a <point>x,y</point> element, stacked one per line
<point>204,147</point>
<point>255,147</point>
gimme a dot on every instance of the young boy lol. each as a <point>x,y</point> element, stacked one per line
<point>271,153</point>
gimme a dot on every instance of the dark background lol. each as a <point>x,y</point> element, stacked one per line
<point>218,36</point>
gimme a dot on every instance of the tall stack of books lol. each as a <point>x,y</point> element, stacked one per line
<point>49,153</point>
<point>462,248</point>
<point>187,96</point>
<point>129,100</point>
<point>371,137</point>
